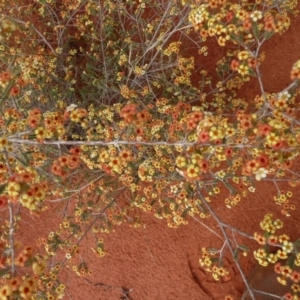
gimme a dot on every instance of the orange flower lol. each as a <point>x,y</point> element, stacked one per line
<point>25,290</point>
<point>2,262</point>
<point>245,122</point>
<point>126,155</point>
<point>28,251</point>
<point>196,116</point>
<point>279,145</point>
<point>269,23</point>
<point>252,62</point>
<point>288,296</point>
<point>191,125</point>
<point>250,167</point>
<point>264,129</point>
<point>5,76</point>
<point>15,283</point>
<point>295,74</point>
<point>35,112</point>
<point>63,160</point>
<point>143,116</point>
<point>75,150</point>
<point>204,165</point>
<point>263,160</point>
<point>33,122</point>
<point>139,131</point>
<point>21,82</point>
<point>228,151</point>
<point>14,91</point>
<point>107,169</point>
<point>203,137</point>
<point>21,260</point>
<point>287,164</point>
<point>259,238</point>
<point>73,161</point>
<point>63,173</point>
<point>295,276</point>
<point>27,177</point>
<point>3,201</point>
<point>128,110</point>
<point>3,142</point>
<point>247,25</point>
<point>234,65</point>
<point>3,168</point>
<point>229,16</point>
<point>272,240</point>
<point>56,168</point>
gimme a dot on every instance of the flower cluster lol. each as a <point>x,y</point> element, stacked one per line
<point>238,23</point>
<point>210,263</point>
<point>295,73</point>
<point>280,251</point>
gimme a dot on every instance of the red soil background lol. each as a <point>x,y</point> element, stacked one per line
<point>156,262</point>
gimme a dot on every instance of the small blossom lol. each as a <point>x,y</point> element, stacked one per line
<point>71,107</point>
<point>261,173</point>
<point>256,15</point>
<point>287,246</point>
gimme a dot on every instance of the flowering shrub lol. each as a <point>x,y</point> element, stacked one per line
<point>104,104</point>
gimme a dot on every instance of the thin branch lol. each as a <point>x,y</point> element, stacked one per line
<point>11,224</point>
<point>151,143</point>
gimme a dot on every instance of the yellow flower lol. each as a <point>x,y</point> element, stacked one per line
<point>13,189</point>
<point>281,280</point>
<point>5,292</point>
<point>272,138</point>
<point>263,262</point>
<point>260,253</point>
<point>192,171</point>
<point>38,267</point>
<point>276,124</point>
<point>243,55</point>
<point>286,271</point>
<point>272,258</point>
<point>181,161</point>
<point>25,290</point>
<point>222,272</point>
<point>281,254</point>
<point>195,158</point>
<point>115,163</point>
<point>287,246</point>
<point>243,70</point>
<point>283,238</point>
<point>278,224</point>
<point>216,133</point>
<point>104,156</point>
<point>40,133</point>
<point>216,276</point>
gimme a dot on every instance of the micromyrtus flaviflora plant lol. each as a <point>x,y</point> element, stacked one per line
<point>106,114</point>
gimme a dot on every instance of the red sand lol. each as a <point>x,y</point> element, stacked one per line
<point>155,262</point>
